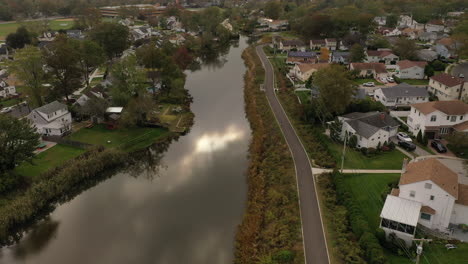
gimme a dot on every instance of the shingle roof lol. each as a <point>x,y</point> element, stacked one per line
<point>433,170</point>
<point>428,210</point>
<point>404,89</point>
<point>362,128</point>
<point>461,127</point>
<point>447,107</point>
<point>50,108</point>
<point>379,53</point>
<point>405,64</point>
<point>378,67</point>
<point>447,79</point>
<point>367,124</point>
<point>317,42</point>
<point>293,42</point>
<point>301,54</point>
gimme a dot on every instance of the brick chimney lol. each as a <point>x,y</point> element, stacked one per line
<point>405,163</point>
<point>382,116</point>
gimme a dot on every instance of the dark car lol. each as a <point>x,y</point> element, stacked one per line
<point>407,145</point>
<point>438,146</point>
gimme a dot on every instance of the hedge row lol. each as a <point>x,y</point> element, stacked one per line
<point>373,251</point>
<point>52,186</point>
<point>270,231</point>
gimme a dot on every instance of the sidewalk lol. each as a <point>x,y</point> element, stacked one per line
<point>317,171</point>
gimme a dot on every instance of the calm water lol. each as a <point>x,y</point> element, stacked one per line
<point>188,212</point>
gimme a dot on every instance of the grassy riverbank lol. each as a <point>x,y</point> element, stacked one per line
<point>271,229</point>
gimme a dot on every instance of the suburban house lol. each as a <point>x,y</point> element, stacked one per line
<point>75,34</point>
<point>438,118</point>
<point>294,44</point>
<point>401,95</point>
<point>446,47</point>
<point>267,24</point>
<point>408,21</point>
<point>95,92</point>
<point>426,54</point>
<point>428,36</point>
<point>447,87</point>
<point>384,56</point>
<point>380,20</point>
<point>6,90</point>
<point>304,71</point>
<point>141,32</point>
<point>430,195</point>
<point>51,119</point>
<point>435,25</point>
<point>331,43</point>
<point>406,69</point>
<point>341,57</point>
<point>369,69</point>
<point>295,57</point>
<point>371,129</point>
<point>389,32</point>
<point>48,36</point>
<point>411,33</point>
<point>4,52</point>
<point>317,44</point>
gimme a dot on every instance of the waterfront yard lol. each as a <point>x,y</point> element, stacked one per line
<point>391,160</point>
<point>128,139</point>
<point>48,159</point>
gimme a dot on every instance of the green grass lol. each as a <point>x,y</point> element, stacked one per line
<point>404,118</point>
<point>304,96</point>
<point>8,28</point>
<point>10,102</point>
<point>48,159</point>
<point>415,82</point>
<point>362,81</point>
<point>391,160</point>
<point>128,139</point>
<point>366,189</point>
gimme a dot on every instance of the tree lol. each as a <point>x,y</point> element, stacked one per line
<point>136,113</point>
<point>273,9</point>
<point>458,141</point>
<point>96,106</point>
<point>183,58</point>
<point>128,81</point>
<point>429,71</point>
<point>357,53</point>
<point>87,17</point>
<point>112,37</point>
<point>28,66</point>
<point>20,38</point>
<point>18,140</point>
<point>378,42</point>
<point>62,58</point>
<point>406,49</point>
<point>392,20</point>
<point>324,54</point>
<point>91,55</point>
<point>419,137</point>
<point>336,88</point>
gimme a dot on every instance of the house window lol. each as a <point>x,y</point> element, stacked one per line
<point>428,186</point>
<point>432,197</point>
<point>426,216</point>
<point>448,117</point>
<point>461,117</point>
<point>412,194</point>
<point>444,130</point>
<point>433,118</point>
<point>453,118</point>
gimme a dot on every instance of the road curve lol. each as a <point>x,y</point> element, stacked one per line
<point>315,247</point>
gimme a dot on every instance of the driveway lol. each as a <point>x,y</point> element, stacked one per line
<point>461,68</point>
<point>315,247</point>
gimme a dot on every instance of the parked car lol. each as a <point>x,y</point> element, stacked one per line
<point>407,145</point>
<point>461,75</point>
<point>403,137</point>
<point>438,146</point>
<point>450,246</point>
<point>390,79</point>
<point>6,110</point>
<point>369,84</point>
<point>383,80</point>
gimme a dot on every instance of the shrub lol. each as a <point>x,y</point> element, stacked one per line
<point>419,137</point>
<point>391,145</point>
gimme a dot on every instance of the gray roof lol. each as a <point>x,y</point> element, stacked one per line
<point>302,54</point>
<point>404,89</point>
<point>50,108</point>
<point>367,124</point>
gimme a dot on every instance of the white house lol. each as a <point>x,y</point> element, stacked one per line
<point>369,69</point>
<point>406,69</point>
<point>331,43</point>
<point>371,129</point>
<point>316,44</point>
<point>287,45</point>
<point>436,119</point>
<point>6,90</point>
<point>436,25</point>
<point>384,56</point>
<point>408,21</point>
<point>447,87</point>
<point>305,70</point>
<point>401,95</point>
<point>52,119</point>
<point>380,20</point>
<point>430,194</point>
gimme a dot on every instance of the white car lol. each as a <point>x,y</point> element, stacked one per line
<point>390,79</point>
<point>403,137</point>
<point>369,84</point>
<point>5,110</point>
<point>383,80</point>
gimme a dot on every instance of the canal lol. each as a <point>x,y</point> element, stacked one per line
<point>186,211</point>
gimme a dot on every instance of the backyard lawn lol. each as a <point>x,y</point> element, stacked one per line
<point>362,81</point>
<point>391,160</point>
<point>58,24</point>
<point>48,159</point>
<point>304,96</point>
<point>415,82</point>
<point>128,139</point>
<point>366,189</point>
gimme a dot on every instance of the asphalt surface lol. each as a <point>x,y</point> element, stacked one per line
<point>315,247</point>
<point>461,68</point>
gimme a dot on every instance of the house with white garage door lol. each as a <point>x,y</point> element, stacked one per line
<point>429,194</point>
<point>402,94</point>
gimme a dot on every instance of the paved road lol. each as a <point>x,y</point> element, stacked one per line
<point>461,68</point>
<point>315,247</point>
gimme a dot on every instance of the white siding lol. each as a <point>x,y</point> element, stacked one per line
<point>459,214</point>
<point>411,73</point>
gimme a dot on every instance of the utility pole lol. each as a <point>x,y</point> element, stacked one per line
<point>344,151</point>
<point>419,249</point>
